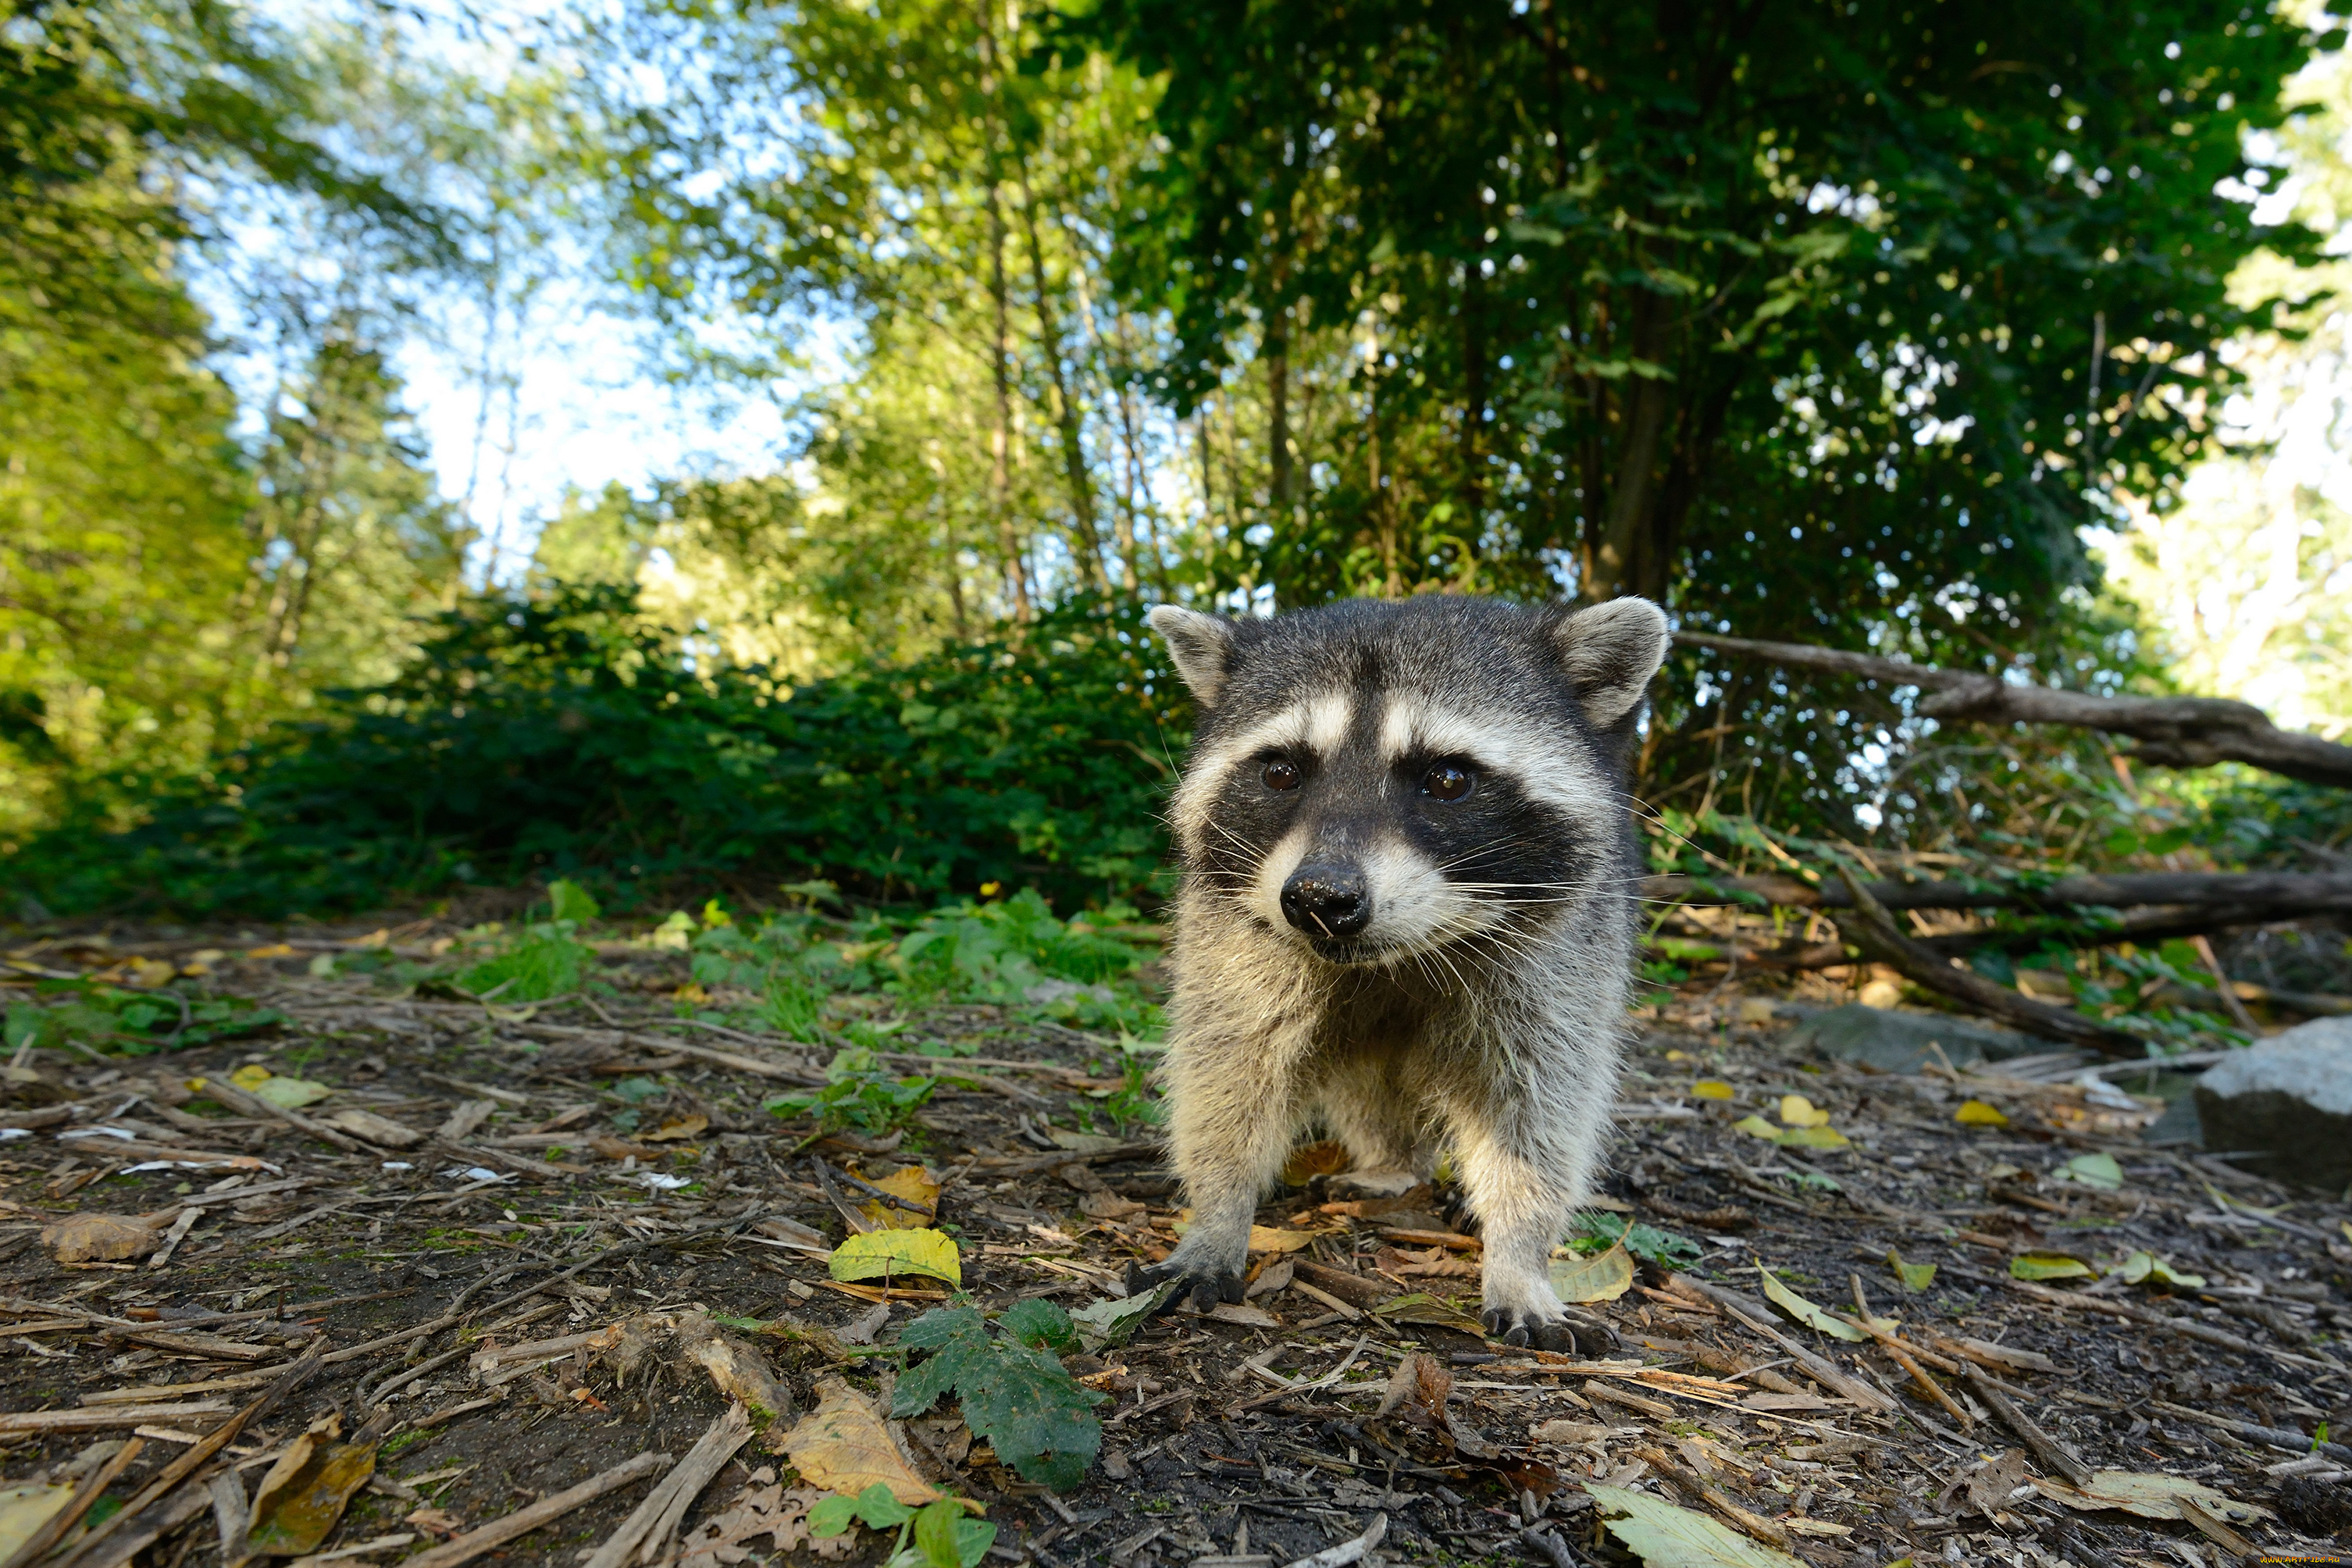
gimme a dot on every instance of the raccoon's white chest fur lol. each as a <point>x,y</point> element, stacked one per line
<point>1406,913</point>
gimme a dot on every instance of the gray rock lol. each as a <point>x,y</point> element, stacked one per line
<point>1900,1041</point>
<point>2288,1099</point>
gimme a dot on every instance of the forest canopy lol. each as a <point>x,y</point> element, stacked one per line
<point>1868,324</point>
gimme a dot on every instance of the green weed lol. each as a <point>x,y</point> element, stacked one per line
<point>859,1095</point>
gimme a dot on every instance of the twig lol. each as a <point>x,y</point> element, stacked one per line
<point>1899,1353</point>
<point>2054,1455</point>
<point>522,1522</point>
<point>235,1098</point>
<point>2280,1437</point>
<point>2186,1328</point>
<point>893,1199</point>
<point>1752,1313</point>
<point>649,1527</point>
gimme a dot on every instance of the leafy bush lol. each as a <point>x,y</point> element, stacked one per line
<point>568,736</point>
<point>127,1022</point>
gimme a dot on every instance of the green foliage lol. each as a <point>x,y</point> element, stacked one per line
<point>567,735</point>
<point>860,1095</point>
<point>1014,1389</point>
<point>540,966</point>
<point>1594,1231</point>
<point>127,1022</point>
<point>944,1535</point>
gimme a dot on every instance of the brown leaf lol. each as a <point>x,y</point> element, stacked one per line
<point>1990,1486</point>
<point>1108,1205</point>
<point>843,1446</point>
<point>740,1371</point>
<point>106,1237</point>
<point>612,1148</point>
<point>1312,1159</point>
<point>378,1129</point>
<point>677,1131</point>
<point>762,1508</point>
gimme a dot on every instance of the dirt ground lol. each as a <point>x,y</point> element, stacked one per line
<point>521,1213</point>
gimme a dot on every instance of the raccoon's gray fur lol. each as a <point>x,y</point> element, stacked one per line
<point>1406,914</point>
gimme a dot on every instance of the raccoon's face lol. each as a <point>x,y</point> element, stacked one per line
<point>1377,781</point>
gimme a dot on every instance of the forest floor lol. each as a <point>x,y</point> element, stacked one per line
<point>553,1234</point>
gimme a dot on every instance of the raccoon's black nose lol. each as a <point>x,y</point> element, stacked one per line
<point>1327,901</point>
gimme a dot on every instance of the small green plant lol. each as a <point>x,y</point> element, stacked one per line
<point>1132,1104</point>
<point>1595,1232</point>
<point>859,1095</point>
<point>937,1535</point>
<point>1014,1390</point>
<point>126,1022</point>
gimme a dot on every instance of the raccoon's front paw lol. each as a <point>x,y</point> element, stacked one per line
<point>1199,1281</point>
<point>1570,1332</point>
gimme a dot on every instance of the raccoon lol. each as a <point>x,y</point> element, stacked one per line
<point>1406,915</point>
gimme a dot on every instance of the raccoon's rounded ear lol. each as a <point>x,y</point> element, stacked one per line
<point>1609,653</point>
<point>1203,646</point>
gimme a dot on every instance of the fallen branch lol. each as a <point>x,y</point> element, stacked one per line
<point>2053,1454</point>
<point>522,1522</point>
<point>1871,928</point>
<point>2281,1438</point>
<point>2172,732</point>
<point>2285,892</point>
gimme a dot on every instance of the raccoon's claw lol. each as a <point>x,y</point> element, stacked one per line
<point>1202,1290</point>
<point>1572,1334</point>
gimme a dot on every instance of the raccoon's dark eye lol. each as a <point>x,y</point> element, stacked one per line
<point>1280,774</point>
<point>1445,782</point>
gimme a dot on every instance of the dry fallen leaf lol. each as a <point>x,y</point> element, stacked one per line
<point>106,1237</point>
<point>740,1371</point>
<point>2149,1495</point>
<point>1309,1161</point>
<point>676,1131</point>
<point>762,1508</point>
<point>843,1447</point>
<point>1266,1239</point>
<point>1977,1113</point>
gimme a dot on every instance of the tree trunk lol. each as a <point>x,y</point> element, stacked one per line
<point>1629,498</point>
<point>1474,395</point>
<point>1277,412</point>
<point>1066,417</point>
<point>1000,439</point>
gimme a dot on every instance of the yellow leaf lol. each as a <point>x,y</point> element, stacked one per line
<point>881,1253</point>
<point>250,1076</point>
<point>24,1510</point>
<point>1813,1138</point>
<point>1665,1536</point>
<point>1603,1277</point>
<point>843,1446</point>
<point>1977,1113</point>
<point>1756,1127</point>
<point>1796,1111</point>
<point>275,949</point>
<point>912,1182</point>
<point>1265,1238</point>
<point>291,1094</point>
<point>1915,1276</point>
<point>1309,1161</point>
<point>676,1131</point>
<point>2048,1265</point>
<point>1804,1311</point>
<point>1711,1089</point>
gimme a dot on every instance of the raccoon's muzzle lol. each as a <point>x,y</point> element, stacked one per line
<point>1327,899</point>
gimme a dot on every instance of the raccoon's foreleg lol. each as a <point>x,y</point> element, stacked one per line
<point>1523,1169</point>
<point>1233,1116</point>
